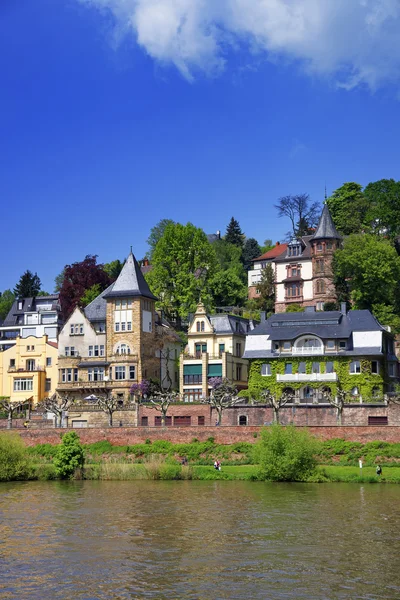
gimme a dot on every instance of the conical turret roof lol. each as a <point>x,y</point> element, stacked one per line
<point>130,282</point>
<point>326,228</point>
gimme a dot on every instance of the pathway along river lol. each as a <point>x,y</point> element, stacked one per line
<point>199,540</point>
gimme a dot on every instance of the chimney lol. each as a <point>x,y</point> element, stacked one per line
<point>343,308</point>
<point>277,244</point>
<point>145,262</point>
<point>218,234</point>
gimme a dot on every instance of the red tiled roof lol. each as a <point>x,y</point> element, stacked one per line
<point>54,344</point>
<point>273,253</point>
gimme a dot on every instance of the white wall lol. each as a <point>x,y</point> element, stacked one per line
<point>258,342</point>
<point>81,343</point>
<point>363,339</point>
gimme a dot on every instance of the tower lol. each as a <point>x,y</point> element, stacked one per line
<point>323,244</point>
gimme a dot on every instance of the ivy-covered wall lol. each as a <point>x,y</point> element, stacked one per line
<point>366,381</point>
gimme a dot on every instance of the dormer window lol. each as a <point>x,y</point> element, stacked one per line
<point>20,305</point>
<point>200,326</point>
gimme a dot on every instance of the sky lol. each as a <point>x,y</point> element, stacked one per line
<point>115,114</point>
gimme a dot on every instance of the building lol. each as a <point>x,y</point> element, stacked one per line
<point>31,317</point>
<point>303,268</point>
<point>311,352</point>
<point>215,349</point>
<point>28,369</point>
<point>113,342</point>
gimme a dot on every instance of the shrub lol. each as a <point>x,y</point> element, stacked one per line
<point>70,456</point>
<point>286,454</point>
<point>14,461</point>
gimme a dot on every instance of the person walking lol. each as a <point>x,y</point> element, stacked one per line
<point>379,470</point>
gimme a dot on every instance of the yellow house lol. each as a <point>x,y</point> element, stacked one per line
<point>28,370</point>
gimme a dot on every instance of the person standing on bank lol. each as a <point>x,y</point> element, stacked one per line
<point>379,470</point>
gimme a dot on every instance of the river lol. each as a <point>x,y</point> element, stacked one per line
<point>199,540</point>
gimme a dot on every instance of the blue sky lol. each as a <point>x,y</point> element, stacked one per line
<point>115,114</point>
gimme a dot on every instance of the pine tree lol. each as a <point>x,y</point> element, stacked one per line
<point>266,289</point>
<point>251,250</point>
<point>28,285</point>
<point>234,235</point>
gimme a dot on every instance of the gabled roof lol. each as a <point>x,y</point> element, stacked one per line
<point>130,282</point>
<point>97,309</point>
<point>326,228</point>
<point>273,253</point>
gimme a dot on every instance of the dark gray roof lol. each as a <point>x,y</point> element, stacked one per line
<point>229,324</point>
<point>93,363</point>
<point>28,305</point>
<point>130,282</point>
<point>97,309</point>
<point>326,228</point>
<point>306,253</point>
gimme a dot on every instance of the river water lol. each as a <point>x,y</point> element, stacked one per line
<point>199,540</point>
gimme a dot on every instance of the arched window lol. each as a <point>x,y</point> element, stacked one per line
<point>242,420</point>
<point>355,391</point>
<point>123,349</point>
<point>320,286</point>
<point>202,327</point>
<point>198,326</point>
<point>308,393</point>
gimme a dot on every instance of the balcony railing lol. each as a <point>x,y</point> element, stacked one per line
<point>305,350</point>
<point>306,377</point>
<point>24,369</point>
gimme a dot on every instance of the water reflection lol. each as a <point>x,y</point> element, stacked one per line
<point>198,540</point>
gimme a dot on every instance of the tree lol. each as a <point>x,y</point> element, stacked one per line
<point>383,197</point>
<point>70,456</point>
<point>78,278</point>
<point>286,453</point>
<point>302,215</point>
<point>109,404</point>
<point>371,268</point>
<point>266,289</point>
<point>90,294</point>
<point>228,288</point>
<point>234,235</point>
<point>156,233</point>
<point>6,301</point>
<point>15,464</point>
<point>251,250</point>
<point>275,402</point>
<point>28,285</point>
<point>267,245</point>
<point>161,401</point>
<point>338,401</point>
<point>113,269</point>
<point>142,389</point>
<point>58,281</point>
<point>184,264</point>
<point>57,405</point>
<point>223,395</point>
<point>386,315</point>
<point>10,408</point>
<point>348,207</point>
<point>293,308</point>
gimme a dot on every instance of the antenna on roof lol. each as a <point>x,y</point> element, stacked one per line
<point>131,249</point>
<point>325,194</point>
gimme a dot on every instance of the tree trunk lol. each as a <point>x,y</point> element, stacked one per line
<point>9,420</point>
<point>275,414</point>
<point>163,415</point>
<point>339,415</point>
<point>110,419</point>
<point>219,413</point>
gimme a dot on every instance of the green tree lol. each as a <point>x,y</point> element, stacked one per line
<point>285,454</point>
<point>6,301</point>
<point>267,245</point>
<point>28,285</point>
<point>386,315</point>
<point>229,257</point>
<point>58,281</point>
<point>228,288</point>
<point>184,264</point>
<point>302,214</point>
<point>156,234</point>
<point>90,294</point>
<point>251,250</point>
<point>383,197</point>
<point>113,269</point>
<point>223,395</point>
<point>14,461</point>
<point>266,289</point>
<point>234,235</point>
<point>292,308</point>
<point>372,269</point>
<point>70,456</point>
<point>348,207</point>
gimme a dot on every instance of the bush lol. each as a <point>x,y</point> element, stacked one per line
<point>285,454</point>
<point>14,461</point>
<point>70,456</point>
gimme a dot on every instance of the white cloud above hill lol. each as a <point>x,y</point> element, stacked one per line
<point>355,42</point>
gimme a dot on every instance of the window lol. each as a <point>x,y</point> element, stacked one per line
<point>12,362</point>
<point>242,420</point>
<point>116,326</point>
<point>96,350</point>
<point>119,372</point>
<point>221,348</point>
<point>132,372</point>
<point>315,367</point>
<point>287,345</point>
<point>320,265</point>
<point>376,392</point>
<point>96,374</point>
<point>330,344</point>
<point>200,348</point>
<point>288,368</point>
<point>266,369</point>
<point>191,379</point>
<point>391,370</point>
<point>238,372</point>
<point>69,375</point>
<point>20,305</point>
<point>355,367</point>
<point>276,345</point>
<point>293,290</point>
<point>182,421</point>
<point>30,365</point>
<point>342,345</point>
<point>201,420</point>
<point>302,367</point>
<point>329,245</point>
<point>329,367</point>
<point>192,395</point>
<point>47,385</point>
<point>30,348</point>
<point>71,329</point>
<point>320,288</point>
<point>76,329</point>
<point>238,349</point>
<point>145,421</point>
<point>129,326</point>
<point>355,391</point>
<point>48,361</point>
<point>308,393</point>
<point>70,351</point>
<point>123,326</point>
<point>319,247</point>
<point>118,305</point>
<point>320,306</point>
<point>374,367</point>
<point>377,420</point>
<point>23,385</point>
<point>200,326</point>
<point>123,349</point>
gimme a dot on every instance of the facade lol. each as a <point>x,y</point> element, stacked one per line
<point>31,317</point>
<point>113,342</point>
<point>215,349</point>
<point>303,268</point>
<point>312,352</point>
<point>28,369</point>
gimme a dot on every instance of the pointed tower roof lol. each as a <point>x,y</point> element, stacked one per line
<point>326,229</point>
<point>130,282</point>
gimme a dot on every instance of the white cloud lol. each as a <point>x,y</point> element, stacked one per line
<point>354,41</point>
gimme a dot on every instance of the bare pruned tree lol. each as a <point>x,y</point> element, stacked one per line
<point>276,402</point>
<point>108,404</point>
<point>302,214</point>
<point>161,401</point>
<point>223,395</point>
<point>57,405</point>
<point>338,401</point>
<point>10,407</point>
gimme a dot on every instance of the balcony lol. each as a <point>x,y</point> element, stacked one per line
<point>25,370</point>
<point>307,377</point>
<point>307,351</point>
